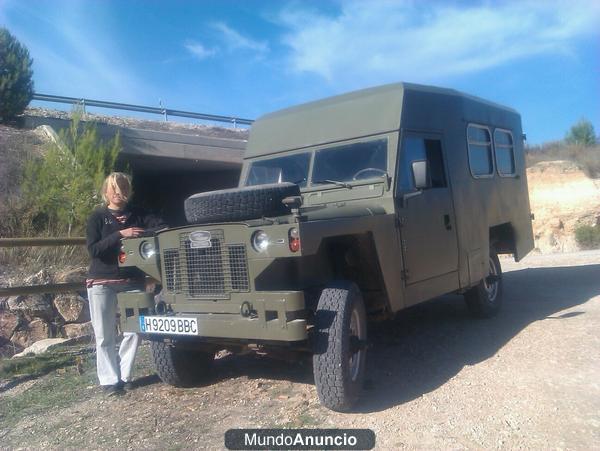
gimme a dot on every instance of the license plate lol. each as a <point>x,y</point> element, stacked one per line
<point>168,325</point>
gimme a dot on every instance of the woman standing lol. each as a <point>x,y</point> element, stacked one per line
<point>105,228</point>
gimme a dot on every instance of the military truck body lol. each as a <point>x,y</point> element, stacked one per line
<point>402,193</point>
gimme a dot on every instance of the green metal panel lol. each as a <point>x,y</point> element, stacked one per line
<point>361,113</point>
<point>271,321</point>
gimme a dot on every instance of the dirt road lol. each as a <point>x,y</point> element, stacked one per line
<point>437,379</point>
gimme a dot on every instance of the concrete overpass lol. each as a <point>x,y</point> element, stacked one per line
<point>169,161</point>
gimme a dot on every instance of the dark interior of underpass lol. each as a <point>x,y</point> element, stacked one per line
<point>162,185</point>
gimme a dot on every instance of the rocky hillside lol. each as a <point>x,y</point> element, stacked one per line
<point>16,147</point>
<point>562,197</point>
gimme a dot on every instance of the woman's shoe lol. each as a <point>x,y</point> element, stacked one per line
<point>112,390</point>
<point>127,385</point>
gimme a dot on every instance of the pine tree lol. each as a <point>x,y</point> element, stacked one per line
<point>16,85</point>
<point>581,134</point>
<point>62,188</point>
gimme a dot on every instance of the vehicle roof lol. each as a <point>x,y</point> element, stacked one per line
<point>365,112</point>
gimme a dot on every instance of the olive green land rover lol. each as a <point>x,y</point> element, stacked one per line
<point>348,210</point>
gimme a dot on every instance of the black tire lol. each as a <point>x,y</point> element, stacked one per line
<point>178,366</point>
<point>485,299</point>
<point>238,204</point>
<point>339,379</point>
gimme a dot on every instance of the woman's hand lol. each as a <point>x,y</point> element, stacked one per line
<point>131,232</point>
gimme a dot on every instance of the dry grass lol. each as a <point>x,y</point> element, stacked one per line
<point>17,223</point>
<point>30,260</point>
<point>587,158</point>
<point>16,147</point>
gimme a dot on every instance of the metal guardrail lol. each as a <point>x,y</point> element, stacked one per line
<point>165,112</point>
<point>41,289</point>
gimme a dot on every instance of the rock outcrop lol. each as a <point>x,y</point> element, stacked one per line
<point>36,330</point>
<point>31,306</point>
<point>72,308</point>
<point>26,319</point>
<point>78,330</point>
<point>562,198</point>
<point>41,346</point>
<point>8,324</point>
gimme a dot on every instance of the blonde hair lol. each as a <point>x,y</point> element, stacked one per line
<point>120,183</point>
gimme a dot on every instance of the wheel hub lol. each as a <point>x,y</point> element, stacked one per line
<point>357,336</point>
<point>491,282</point>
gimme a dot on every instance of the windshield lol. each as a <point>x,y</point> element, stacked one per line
<point>291,168</point>
<point>340,164</point>
<point>351,162</point>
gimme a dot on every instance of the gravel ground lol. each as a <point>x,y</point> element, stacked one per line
<point>437,379</point>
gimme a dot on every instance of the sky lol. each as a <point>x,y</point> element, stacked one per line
<point>248,58</point>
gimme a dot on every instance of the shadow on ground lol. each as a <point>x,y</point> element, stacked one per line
<point>426,345</point>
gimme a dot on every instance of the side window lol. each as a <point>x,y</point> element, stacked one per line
<point>505,155</point>
<point>480,151</point>
<point>415,148</point>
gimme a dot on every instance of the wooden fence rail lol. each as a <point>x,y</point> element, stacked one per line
<point>30,242</point>
<point>40,289</point>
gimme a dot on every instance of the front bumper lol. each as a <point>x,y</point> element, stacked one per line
<point>277,316</point>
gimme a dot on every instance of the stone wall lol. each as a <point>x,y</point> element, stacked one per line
<point>25,319</point>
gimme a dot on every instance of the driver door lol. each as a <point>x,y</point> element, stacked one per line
<point>426,216</point>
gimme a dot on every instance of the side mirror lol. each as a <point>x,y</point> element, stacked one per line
<point>420,174</point>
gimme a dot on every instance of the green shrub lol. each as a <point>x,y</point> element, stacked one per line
<point>16,85</point>
<point>61,189</point>
<point>588,237</point>
<point>581,134</point>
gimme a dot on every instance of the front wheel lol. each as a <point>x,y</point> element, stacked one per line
<point>340,353</point>
<point>178,366</point>
<point>485,299</point>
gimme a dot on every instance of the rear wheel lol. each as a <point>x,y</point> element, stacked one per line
<point>485,299</point>
<point>178,366</point>
<point>340,353</point>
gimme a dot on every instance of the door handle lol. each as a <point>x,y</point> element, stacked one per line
<point>447,222</point>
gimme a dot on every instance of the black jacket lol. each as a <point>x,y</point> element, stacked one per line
<point>104,242</point>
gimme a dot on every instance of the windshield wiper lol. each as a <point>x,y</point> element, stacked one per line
<point>335,182</point>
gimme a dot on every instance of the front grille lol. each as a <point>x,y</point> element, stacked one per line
<point>172,270</point>
<point>211,272</point>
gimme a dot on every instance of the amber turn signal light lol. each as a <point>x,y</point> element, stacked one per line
<point>294,240</point>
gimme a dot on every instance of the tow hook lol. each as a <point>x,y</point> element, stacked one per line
<point>160,307</point>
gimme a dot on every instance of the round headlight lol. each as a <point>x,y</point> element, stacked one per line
<point>147,249</point>
<point>260,241</point>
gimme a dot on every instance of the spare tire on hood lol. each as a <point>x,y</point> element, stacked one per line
<point>238,204</point>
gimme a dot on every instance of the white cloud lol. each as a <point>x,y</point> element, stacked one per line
<point>199,51</point>
<point>234,40</point>
<point>426,41</point>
